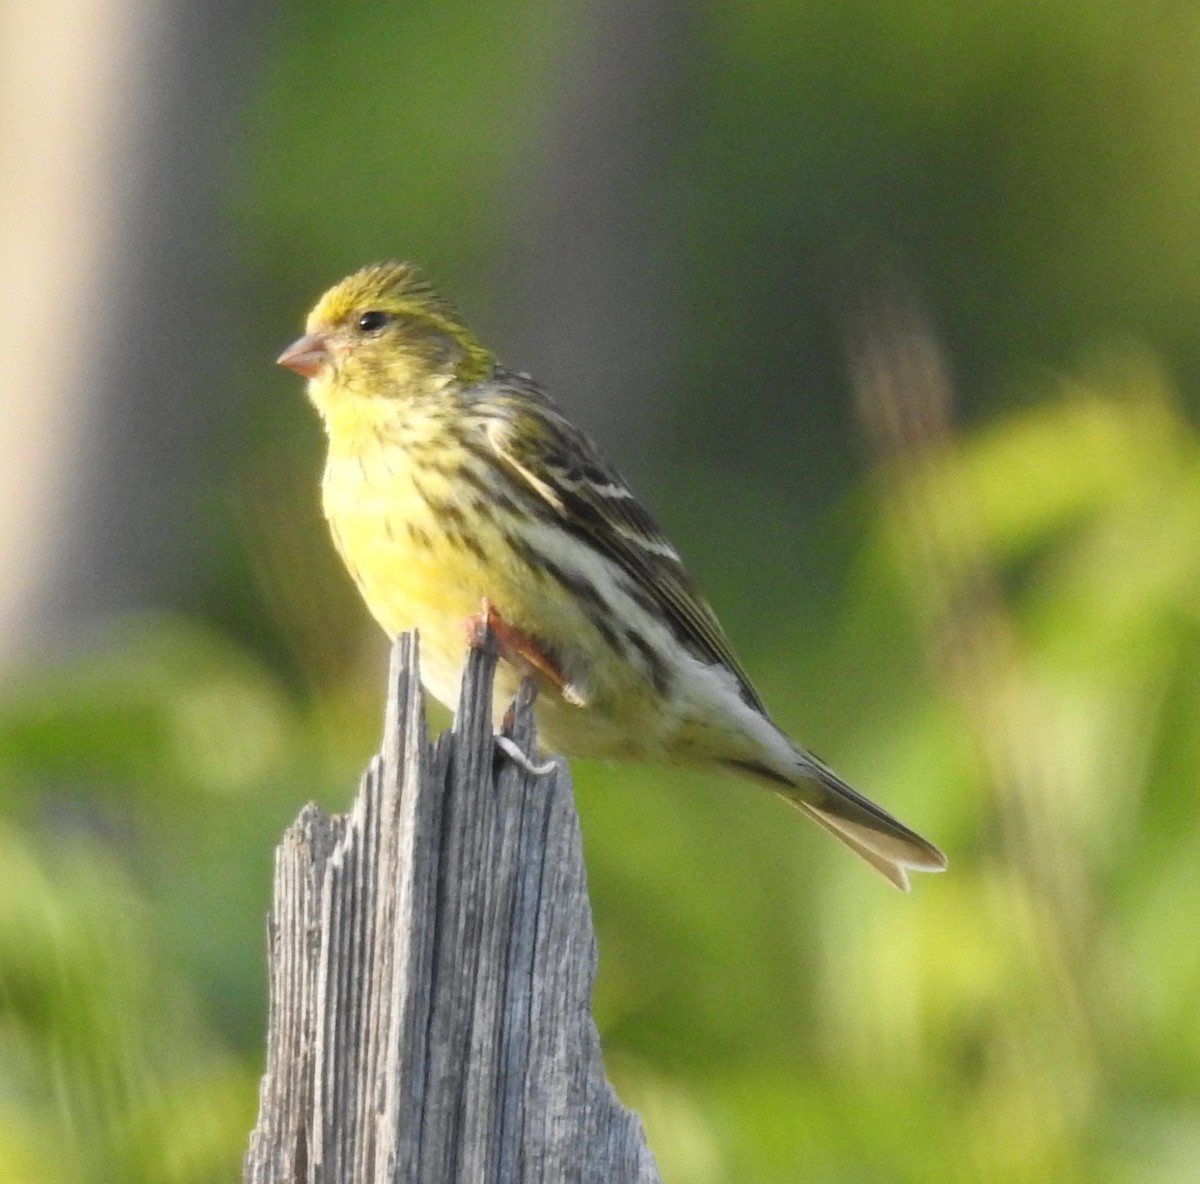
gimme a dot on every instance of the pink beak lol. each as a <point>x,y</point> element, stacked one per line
<point>308,356</point>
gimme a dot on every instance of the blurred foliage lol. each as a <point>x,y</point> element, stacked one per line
<point>999,638</point>
<point>1026,1016</point>
<point>773,1011</point>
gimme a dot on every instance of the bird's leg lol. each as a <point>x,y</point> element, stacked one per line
<point>524,657</point>
<point>526,696</point>
<point>519,650</point>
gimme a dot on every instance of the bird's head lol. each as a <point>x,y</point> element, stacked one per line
<point>384,333</point>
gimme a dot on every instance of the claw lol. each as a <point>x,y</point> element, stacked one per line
<point>478,626</point>
<point>522,759</point>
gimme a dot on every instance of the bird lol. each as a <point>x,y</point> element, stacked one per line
<point>459,495</point>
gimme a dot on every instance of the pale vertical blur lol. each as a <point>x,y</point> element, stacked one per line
<point>905,398</point>
<point>65,67</point>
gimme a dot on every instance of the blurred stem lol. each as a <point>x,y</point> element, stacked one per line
<point>905,399</point>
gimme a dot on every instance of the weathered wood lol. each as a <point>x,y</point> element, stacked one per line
<point>431,967</point>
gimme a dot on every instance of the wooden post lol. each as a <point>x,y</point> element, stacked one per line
<point>431,968</point>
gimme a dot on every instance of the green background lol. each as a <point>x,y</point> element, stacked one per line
<point>678,217</point>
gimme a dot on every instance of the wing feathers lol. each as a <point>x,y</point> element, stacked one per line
<point>591,500</point>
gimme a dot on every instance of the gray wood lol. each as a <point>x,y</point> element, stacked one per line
<point>431,967</point>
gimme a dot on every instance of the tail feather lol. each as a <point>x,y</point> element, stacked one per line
<point>869,845</point>
<point>868,830</point>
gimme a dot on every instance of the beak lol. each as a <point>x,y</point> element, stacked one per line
<point>307,356</point>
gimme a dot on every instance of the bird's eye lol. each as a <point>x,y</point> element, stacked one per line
<point>372,320</point>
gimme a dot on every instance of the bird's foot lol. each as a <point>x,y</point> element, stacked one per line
<point>523,760</point>
<point>523,655</point>
<point>519,650</point>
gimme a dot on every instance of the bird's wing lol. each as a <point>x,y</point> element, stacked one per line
<point>557,463</point>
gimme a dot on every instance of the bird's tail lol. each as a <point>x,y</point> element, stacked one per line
<point>869,831</point>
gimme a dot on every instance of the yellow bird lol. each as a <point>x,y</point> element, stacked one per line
<point>456,490</point>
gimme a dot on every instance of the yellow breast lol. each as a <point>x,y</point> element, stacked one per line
<point>387,521</point>
<point>426,546</point>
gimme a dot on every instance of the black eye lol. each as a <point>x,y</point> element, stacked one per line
<point>372,320</point>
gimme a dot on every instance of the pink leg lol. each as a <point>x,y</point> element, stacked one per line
<point>517,649</point>
<point>527,660</point>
